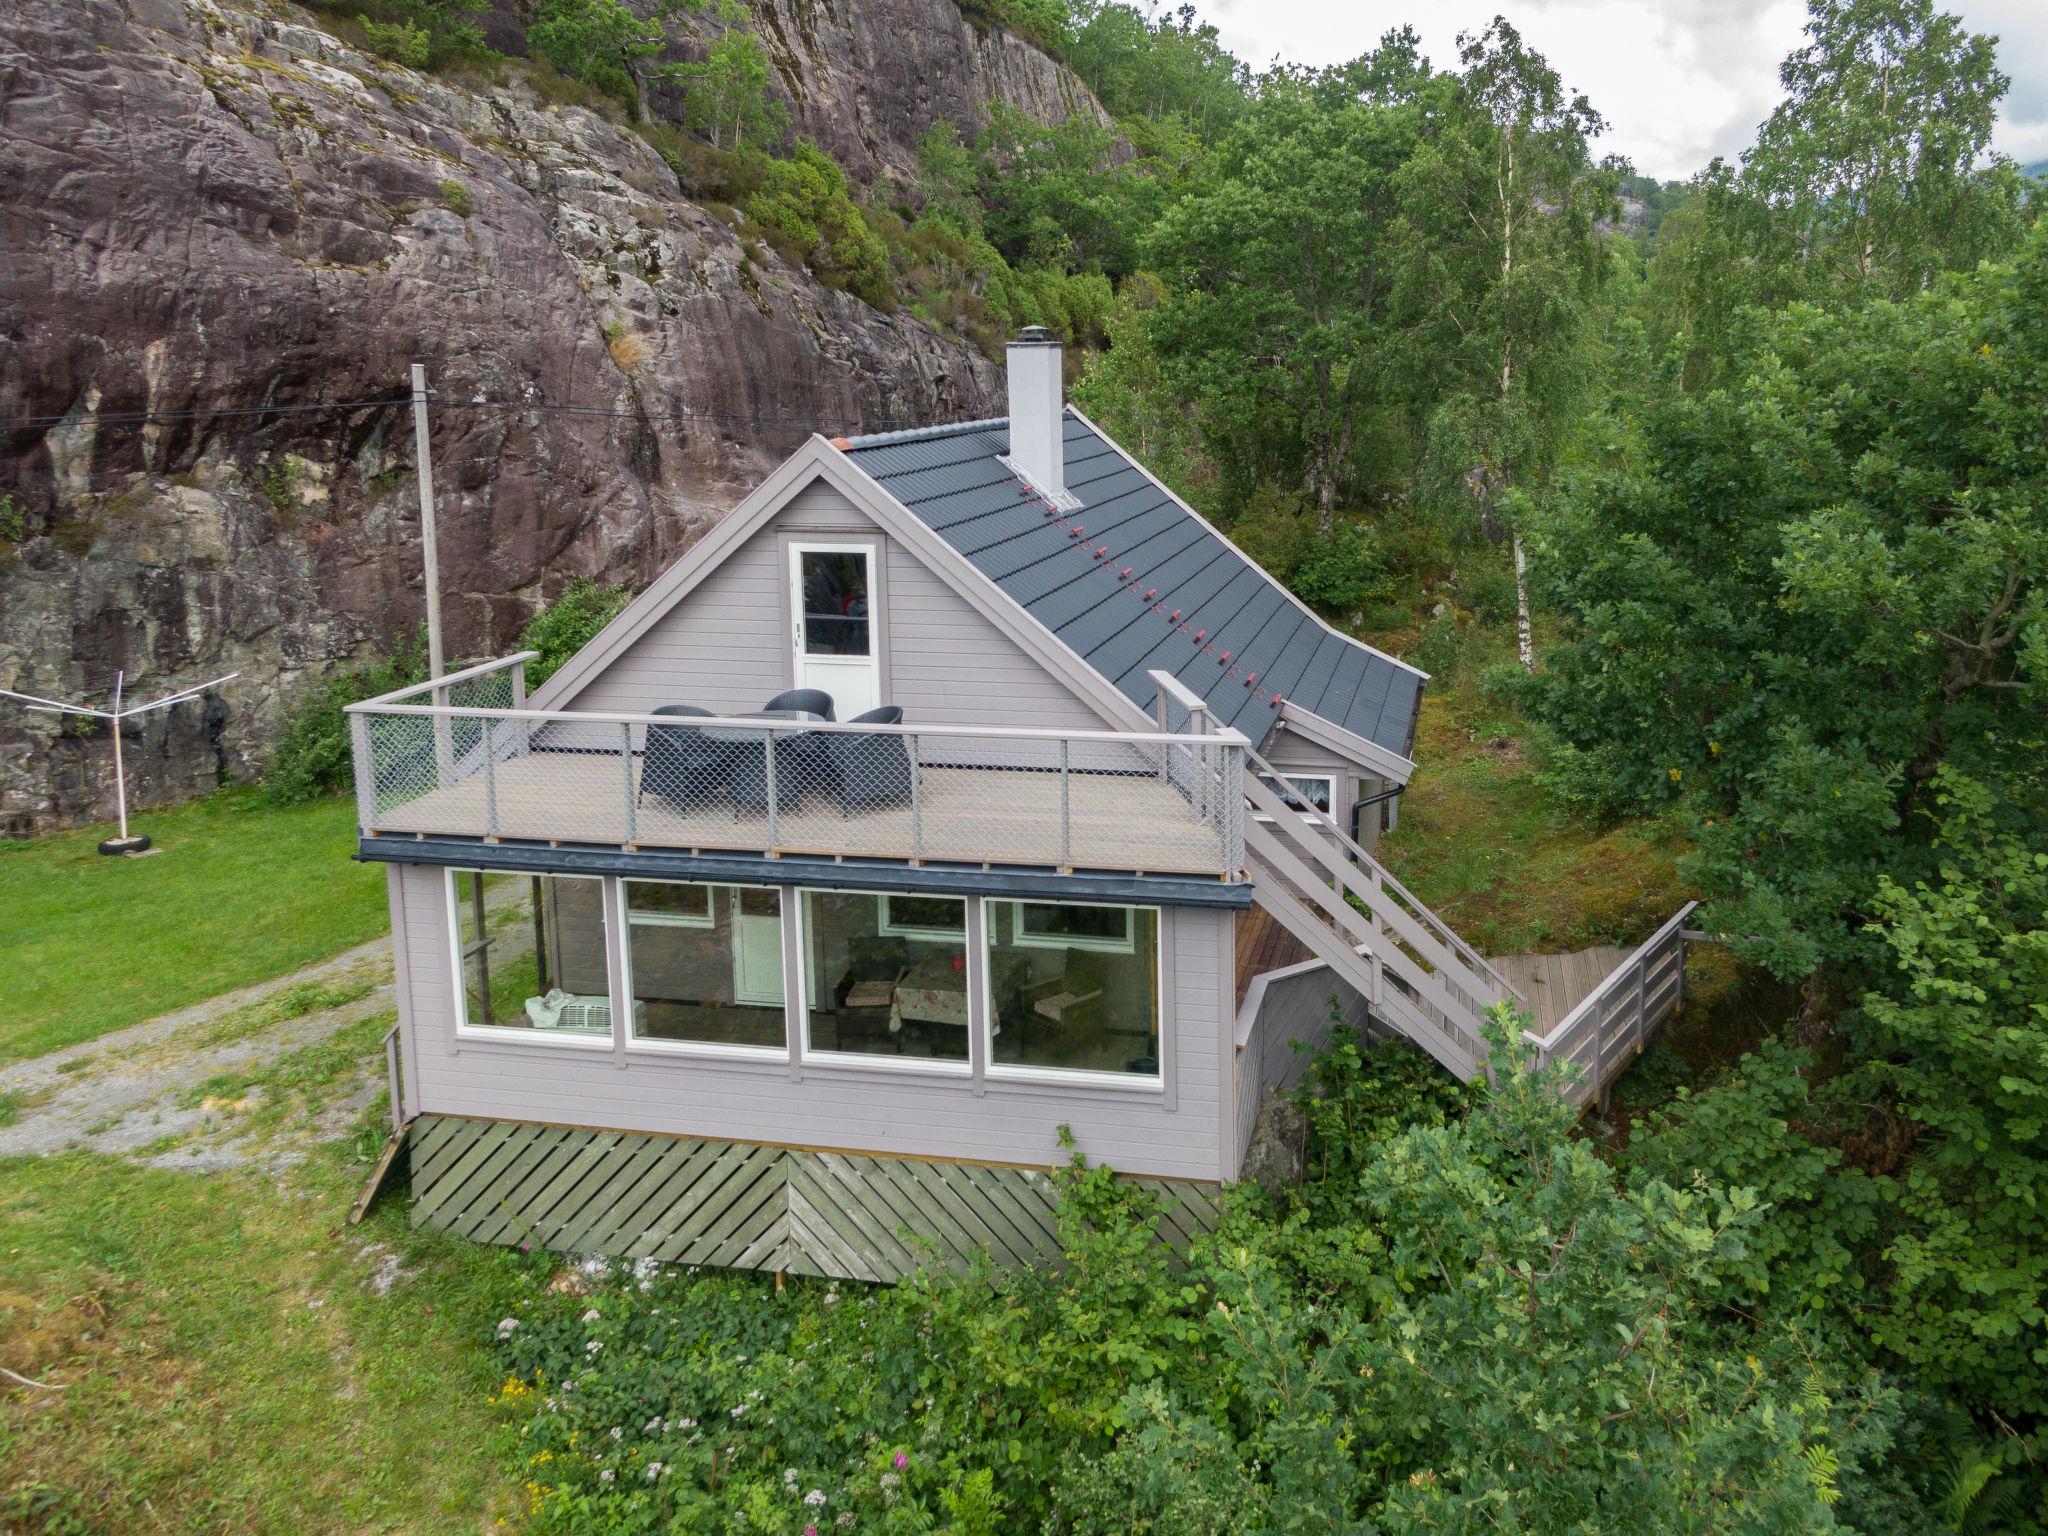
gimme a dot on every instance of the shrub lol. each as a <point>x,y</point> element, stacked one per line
<point>313,749</point>
<point>457,197</point>
<point>399,41</point>
<point>804,211</point>
<point>566,625</point>
<point>598,42</point>
<point>1343,572</point>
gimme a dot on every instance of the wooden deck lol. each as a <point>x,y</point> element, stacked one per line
<point>1556,984</point>
<point>738,1205</point>
<point>1263,944</point>
<point>963,815</point>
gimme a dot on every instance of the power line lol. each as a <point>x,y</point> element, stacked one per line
<point>152,418</point>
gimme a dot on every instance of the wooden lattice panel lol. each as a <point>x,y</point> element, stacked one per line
<point>741,1206</point>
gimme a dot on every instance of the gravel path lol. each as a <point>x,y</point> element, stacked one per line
<point>135,1092</point>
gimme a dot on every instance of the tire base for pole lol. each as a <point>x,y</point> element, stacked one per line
<point>138,843</point>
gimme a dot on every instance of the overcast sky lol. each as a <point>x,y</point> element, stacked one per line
<point>1679,81</point>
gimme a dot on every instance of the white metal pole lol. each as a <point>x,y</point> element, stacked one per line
<point>444,746</point>
<point>120,779</point>
<point>427,544</point>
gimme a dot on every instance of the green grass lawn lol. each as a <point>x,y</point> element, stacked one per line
<point>1487,847</point>
<point>229,1361</point>
<point>241,891</point>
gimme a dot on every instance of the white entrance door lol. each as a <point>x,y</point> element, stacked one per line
<point>831,593</point>
<point>757,947</point>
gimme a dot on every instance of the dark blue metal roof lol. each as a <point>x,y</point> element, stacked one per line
<point>1135,583</point>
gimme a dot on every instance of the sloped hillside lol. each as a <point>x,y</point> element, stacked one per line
<point>218,204</point>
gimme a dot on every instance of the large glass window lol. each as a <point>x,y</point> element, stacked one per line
<point>886,976</point>
<point>704,963</point>
<point>1074,987</point>
<point>531,952</point>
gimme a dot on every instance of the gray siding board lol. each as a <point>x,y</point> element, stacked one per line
<point>1172,1135</point>
<point>1292,1004</point>
<point>725,646</point>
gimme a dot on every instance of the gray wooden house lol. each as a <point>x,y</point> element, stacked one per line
<point>961,790</point>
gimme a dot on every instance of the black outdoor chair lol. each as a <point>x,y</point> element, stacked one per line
<point>870,771</point>
<point>814,701</point>
<point>747,772</point>
<point>681,764</point>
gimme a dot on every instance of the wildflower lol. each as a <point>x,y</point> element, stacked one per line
<point>606,1475</point>
<point>902,1460</point>
<point>618,1432</point>
<point>846,1518</point>
<point>506,1325</point>
<point>742,1408</point>
<point>653,1470</point>
<point>595,1266</point>
<point>789,1477</point>
<point>687,1424</point>
<point>653,1425</point>
<point>810,1530</point>
<point>645,1268</point>
<point>592,1315</point>
<point>593,1346</point>
<point>831,1298</point>
<point>815,1497</point>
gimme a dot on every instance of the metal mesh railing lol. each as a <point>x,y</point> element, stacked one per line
<point>1070,800</point>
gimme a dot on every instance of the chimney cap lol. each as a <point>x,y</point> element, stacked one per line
<point>1034,336</point>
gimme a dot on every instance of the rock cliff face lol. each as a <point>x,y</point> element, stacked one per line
<point>219,216</point>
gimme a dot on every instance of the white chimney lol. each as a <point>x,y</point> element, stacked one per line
<point>1037,422</point>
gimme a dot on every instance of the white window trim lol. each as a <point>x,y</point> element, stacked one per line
<point>928,1066</point>
<point>1020,939</point>
<point>886,925</point>
<point>708,1049</point>
<point>510,1034</point>
<point>670,919</point>
<point>1309,815</point>
<point>1077,1077</point>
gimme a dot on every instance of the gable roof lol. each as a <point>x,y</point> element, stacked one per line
<point>1135,580</point>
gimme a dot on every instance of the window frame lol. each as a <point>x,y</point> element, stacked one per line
<point>886,925</point>
<point>766,1055</point>
<point>670,919</point>
<point>1080,1077</point>
<point>513,1033</point>
<point>1127,945</point>
<point>1290,791</point>
<point>830,1060</point>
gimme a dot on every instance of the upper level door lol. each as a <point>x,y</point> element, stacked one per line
<point>832,589</point>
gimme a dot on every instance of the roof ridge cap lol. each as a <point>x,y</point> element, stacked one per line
<point>920,434</point>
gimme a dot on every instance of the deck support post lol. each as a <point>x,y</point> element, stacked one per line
<point>1066,818</point>
<point>916,801</point>
<point>774,818</point>
<point>1642,970</point>
<point>490,784</point>
<point>632,799</point>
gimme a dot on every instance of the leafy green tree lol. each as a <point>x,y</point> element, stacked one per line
<point>1500,256</point>
<point>1957,1035</point>
<point>1157,64</point>
<point>599,42</point>
<point>1279,277</point>
<point>1871,173</point>
<point>1058,194</point>
<point>1873,176</point>
<point>1806,593</point>
<point>726,97</point>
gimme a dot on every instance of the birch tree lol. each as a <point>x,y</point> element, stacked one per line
<point>1501,251</point>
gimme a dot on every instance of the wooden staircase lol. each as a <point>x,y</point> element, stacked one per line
<point>1415,974</point>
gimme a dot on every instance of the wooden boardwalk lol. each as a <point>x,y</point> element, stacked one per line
<point>739,1205</point>
<point>1556,984</point>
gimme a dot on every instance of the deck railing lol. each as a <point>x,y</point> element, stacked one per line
<point>1152,802</point>
<point>1612,1024</point>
